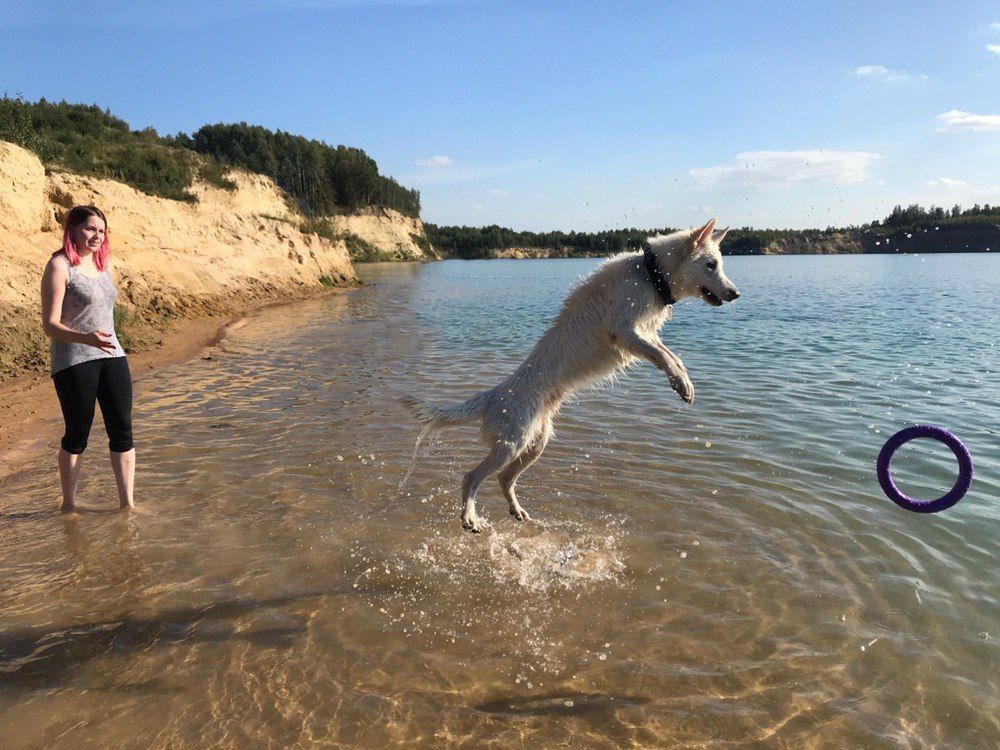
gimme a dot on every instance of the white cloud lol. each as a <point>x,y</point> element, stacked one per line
<point>946,182</point>
<point>995,26</point>
<point>994,48</point>
<point>499,193</point>
<point>434,161</point>
<point>956,119</point>
<point>476,206</point>
<point>887,75</point>
<point>782,169</point>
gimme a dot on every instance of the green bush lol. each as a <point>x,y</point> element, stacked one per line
<point>362,251</point>
<point>214,173</point>
<point>321,226</point>
<point>16,126</point>
<point>421,241</point>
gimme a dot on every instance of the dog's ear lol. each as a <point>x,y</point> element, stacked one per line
<point>719,235</point>
<point>701,234</point>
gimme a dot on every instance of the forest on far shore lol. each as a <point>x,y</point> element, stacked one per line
<point>482,242</point>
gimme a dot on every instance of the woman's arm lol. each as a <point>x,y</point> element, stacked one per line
<point>54,282</point>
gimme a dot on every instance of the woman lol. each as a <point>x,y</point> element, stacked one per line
<point>88,363</point>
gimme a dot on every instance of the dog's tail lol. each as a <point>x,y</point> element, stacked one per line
<point>437,418</point>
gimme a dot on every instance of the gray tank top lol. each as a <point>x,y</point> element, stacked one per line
<point>88,306</point>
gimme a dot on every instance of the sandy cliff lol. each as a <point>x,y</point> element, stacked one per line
<point>386,234</point>
<point>229,251</point>
<point>815,244</point>
<point>532,253</point>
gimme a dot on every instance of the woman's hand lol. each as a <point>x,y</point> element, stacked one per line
<point>101,340</point>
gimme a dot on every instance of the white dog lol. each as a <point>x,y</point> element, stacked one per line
<point>610,320</point>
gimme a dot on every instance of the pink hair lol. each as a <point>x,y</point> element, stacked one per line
<point>76,217</point>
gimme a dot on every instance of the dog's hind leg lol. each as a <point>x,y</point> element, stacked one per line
<point>508,477</point>
<point>499,456</point>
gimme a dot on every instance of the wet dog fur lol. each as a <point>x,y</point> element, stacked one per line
<point>608,322</point>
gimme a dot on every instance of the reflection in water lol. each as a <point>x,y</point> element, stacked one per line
<point>726,573</point>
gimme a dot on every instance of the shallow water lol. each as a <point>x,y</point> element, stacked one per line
<point>725,573</point>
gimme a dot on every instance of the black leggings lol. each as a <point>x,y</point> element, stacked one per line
<point>108,381</point>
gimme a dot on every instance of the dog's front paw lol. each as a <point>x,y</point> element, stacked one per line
<point>688,393</point>
<point>684,387</point>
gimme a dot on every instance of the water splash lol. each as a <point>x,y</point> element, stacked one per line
<point>555,557</point>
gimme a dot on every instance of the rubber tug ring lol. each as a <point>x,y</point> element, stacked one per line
<point>947,500</point>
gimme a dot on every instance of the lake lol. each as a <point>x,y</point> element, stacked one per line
<point>725,572</point>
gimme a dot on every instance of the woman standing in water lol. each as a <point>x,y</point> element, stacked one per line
<point>88,363</point>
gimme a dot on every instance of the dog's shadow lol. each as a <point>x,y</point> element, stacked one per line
<point>43,657</point>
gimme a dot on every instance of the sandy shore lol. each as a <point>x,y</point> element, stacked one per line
<point>29,410</point>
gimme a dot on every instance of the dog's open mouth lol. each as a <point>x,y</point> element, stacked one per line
<point>710,297</point>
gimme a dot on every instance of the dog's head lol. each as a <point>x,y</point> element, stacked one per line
<point>698,272</point>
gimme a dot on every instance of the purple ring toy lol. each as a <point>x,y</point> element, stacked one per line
<point>924,506</point>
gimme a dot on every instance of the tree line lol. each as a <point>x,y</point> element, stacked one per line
<point>480,242</point>
<point>915,215</point>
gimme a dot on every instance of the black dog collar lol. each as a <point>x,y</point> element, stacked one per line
<point>656,276</point>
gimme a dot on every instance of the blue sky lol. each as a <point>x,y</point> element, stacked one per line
<point>572,115</point>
